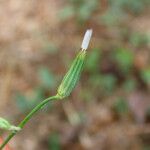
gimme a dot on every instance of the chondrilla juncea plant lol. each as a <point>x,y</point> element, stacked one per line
<point>66,87</point>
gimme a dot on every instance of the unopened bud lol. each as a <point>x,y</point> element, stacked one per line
<point>72,76</point>
<point>4,124</point>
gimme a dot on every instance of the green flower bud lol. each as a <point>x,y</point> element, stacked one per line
<point>4,124</point>
<point>72,76</point>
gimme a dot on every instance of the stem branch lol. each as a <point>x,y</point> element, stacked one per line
<point>28,117</point>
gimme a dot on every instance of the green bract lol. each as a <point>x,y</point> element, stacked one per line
<point>72,76</point>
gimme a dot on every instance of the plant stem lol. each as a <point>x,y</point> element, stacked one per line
<point>28,117</point>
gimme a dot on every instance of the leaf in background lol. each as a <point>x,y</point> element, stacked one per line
<point>86,94</point>
<point>26,103</point>
<point>86,9</point>
<point>145,74</point>
<point>113,17</point>
<point>136,6</point>
<point>66,13</point>
<point>130,84</point>
<point>93,62</point>
<point>47,78</point>
<point>54,142</point>
<point>146,147</point>
<point>49,47</point>
<point>108,83</point>
<point>39,94</point>
<point>124,59</point>
<point>119,10</point>
<point>137,39</point>
<point>121,106</point>
<point>105,84</point>
<point>22,102</point>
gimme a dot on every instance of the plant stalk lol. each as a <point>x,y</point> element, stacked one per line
<point>28,117</point>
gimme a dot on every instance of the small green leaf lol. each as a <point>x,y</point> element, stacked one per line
<point>130,84</point>
<point>93,62</point>
<point>137,39</point>
<point>108,83</point>
<point>22,102</point>
<point>66,13</point>
<point>49,47</point>
<point>145,74</point>
<point>121,106</point>
<point>4,124</point>
<point>124,58</point>
<point>47,78</point>
<point>105,83</point>
<point>54,142</point>
<point>86,9</point>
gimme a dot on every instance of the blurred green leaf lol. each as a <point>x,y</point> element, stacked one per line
<point>145,74</point>
<point>136,6</point>
<point>47,78</point>
<point>39,94</point>
<point>130,84</point>
<point>22,102</point>
<point>26,103</point>
<point>124,59</point>
<point>86,9</point>
<point>146,147</point>
<point>80,10</point>
<point>54,142</point>
<point>93,61</point>
<point>119,10</point>
<point>66,13</point>
<point>49,47</point>
<point>108,83</point>
<point>113,17</point>
<point>137,39</point>
<point>86,94</point>
<point>121,106</point>
<point>104,83</point>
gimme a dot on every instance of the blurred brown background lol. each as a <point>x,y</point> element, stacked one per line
<point>110,107</point>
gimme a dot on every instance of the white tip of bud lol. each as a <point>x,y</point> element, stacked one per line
<point>86,39</point>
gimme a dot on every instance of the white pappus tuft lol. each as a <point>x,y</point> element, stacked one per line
<point>86,39</point>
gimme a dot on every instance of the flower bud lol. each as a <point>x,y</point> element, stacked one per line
<point>72,76</point>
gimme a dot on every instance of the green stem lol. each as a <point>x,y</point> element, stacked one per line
<point>28,117</point>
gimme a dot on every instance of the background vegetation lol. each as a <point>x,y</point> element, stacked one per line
<point>110,108</point>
